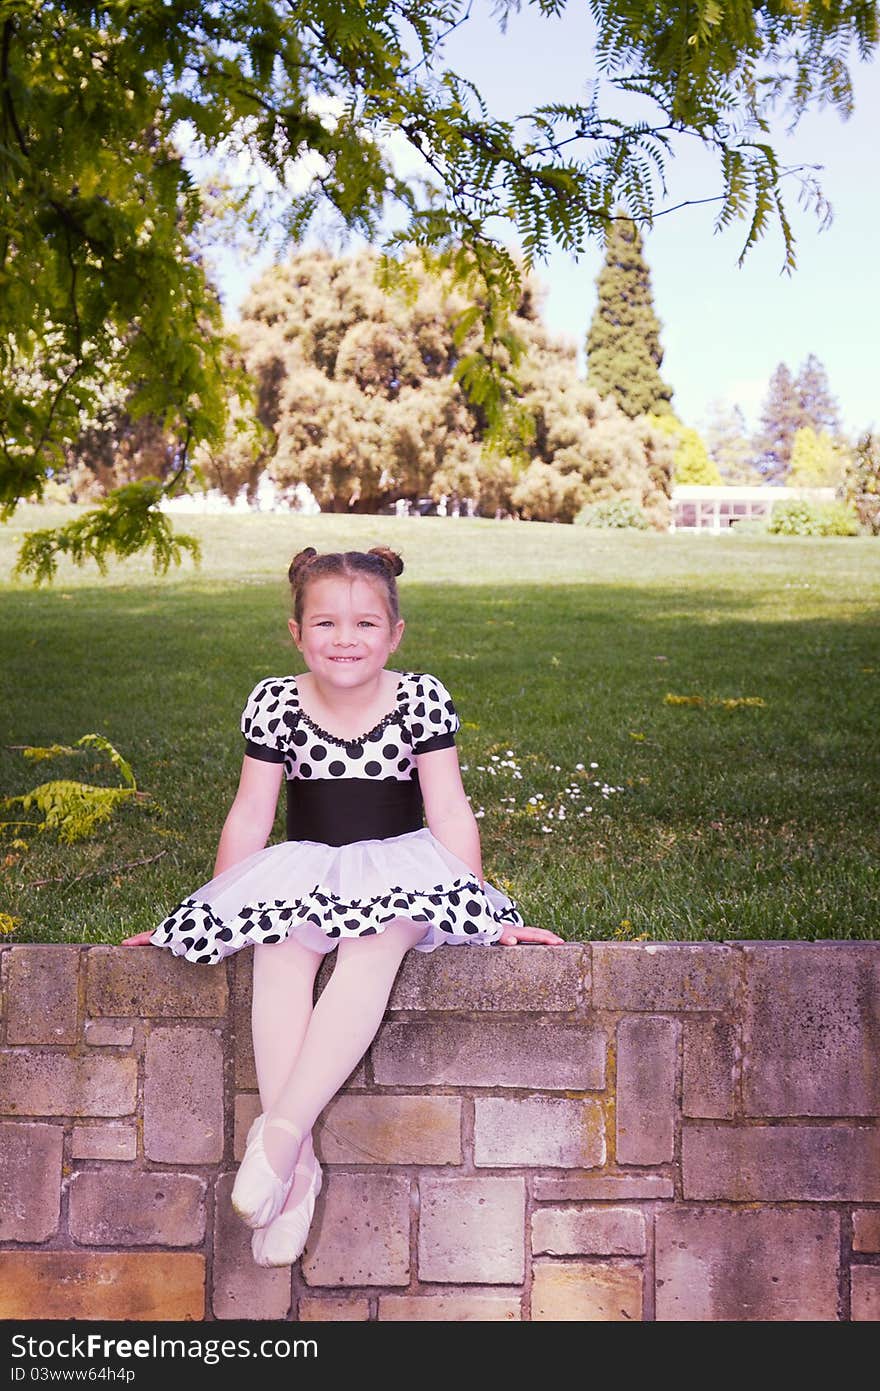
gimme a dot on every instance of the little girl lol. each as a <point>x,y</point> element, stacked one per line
<point>365,751</point>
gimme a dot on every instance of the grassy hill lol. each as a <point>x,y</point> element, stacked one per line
<point>608,810</point>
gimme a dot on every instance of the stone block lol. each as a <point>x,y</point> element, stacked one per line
<point>657,976</point>
<point>398,1129</point>
<point>101,1033</point>
<point>42,994</point>
<point>471,1230</point>
<point>241,1289</point>
<point>30,1180</point>
<point>122,1207</point>
<point>104,1142</point>
<point>545,979</point>
<point>151,983</point>
<point>598,1231</point>
<point>811,1029</point>
<point>545,1132</point>
<point>340,1308</point>
<point>779,1163</point>
<point>865,1293</point>
<point>246,1109</point>
<point>458,1306</point>
<point>596,1188</point>
<point>183,1095</point>
<point>142,1285</point>
<point>586,1291</point>
<point>243,1044</point>
<point>866,1229</point>
<point>645,1110</point>
<point>726,1265</point>
<point>360,1232</point>
<point>710,1057</point>
<point>41,1082</point>
<point>546,1056</point>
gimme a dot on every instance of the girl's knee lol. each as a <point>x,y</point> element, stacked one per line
<point>391,943</point>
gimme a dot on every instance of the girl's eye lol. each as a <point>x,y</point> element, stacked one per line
<point>365,623</point>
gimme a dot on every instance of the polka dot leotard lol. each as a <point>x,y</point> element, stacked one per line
<point>344,790</point>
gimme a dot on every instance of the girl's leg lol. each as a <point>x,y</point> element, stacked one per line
<point>283,999</point>
<point>343,1024</point>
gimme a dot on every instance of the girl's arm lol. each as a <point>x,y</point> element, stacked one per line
<point>447,809</point>
<point>449,817</point>
<point>251,817</point>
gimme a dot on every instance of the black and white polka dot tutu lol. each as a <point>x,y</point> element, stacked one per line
<point>357,854</point>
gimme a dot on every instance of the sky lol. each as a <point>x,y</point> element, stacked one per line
<point>724,327</point>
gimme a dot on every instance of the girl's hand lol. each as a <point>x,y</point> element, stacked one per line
<point>141,940</point>
<point>511,936</point>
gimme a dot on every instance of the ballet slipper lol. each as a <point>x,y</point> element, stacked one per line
<point>258,1193</point>
<point>281,1241</point>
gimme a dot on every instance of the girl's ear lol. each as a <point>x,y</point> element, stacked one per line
<point>397,634</point>
<point>295,632</point>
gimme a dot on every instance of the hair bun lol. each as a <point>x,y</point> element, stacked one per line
<point>300,560</point>
<point>389,558</point>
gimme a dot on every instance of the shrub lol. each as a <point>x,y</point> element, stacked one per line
<point>803,518</point>
<point>616,512</point>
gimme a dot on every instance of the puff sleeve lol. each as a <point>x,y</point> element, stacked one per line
<point>434,721</point>
<point>261,724</point>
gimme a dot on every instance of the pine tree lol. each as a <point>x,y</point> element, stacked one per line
<point>623,344</point>
<point>819,408</point>
<point>781,418</point>
<point>727,441</point>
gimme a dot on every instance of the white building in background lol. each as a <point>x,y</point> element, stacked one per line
<point>268,498</point>
<point>711,507</point>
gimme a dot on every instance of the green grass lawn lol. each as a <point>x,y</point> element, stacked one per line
<point>559,644</point>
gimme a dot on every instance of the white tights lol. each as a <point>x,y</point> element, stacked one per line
<point>303,1051</point>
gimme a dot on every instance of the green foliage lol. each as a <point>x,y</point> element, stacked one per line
<point>692,461</point>
<point>794,404</point>
<point>623,343</point>
<point>126,522</point>
<point>802,518</point>
<point>861,486</point>
<point>73,810</point>
<point>618,513</point>
<point>102,224</point>
<point>817,460</point>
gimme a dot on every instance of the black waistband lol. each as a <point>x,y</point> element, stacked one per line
<point>338,811</point>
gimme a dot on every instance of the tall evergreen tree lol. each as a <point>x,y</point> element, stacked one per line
<point>728,444</point>
<point>819,408</point>
<point>623,344</point>
<point>781,418</point>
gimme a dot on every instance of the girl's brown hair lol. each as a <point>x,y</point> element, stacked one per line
<point>379,564</point>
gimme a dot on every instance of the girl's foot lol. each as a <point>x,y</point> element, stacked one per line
<point>282,1241</point>
<point>260,1190</point>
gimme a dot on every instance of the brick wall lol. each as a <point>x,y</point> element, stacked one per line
<point>592,1131</point>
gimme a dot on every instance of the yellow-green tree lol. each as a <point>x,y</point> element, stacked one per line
<point>692,461</point>
<point>818,459</point>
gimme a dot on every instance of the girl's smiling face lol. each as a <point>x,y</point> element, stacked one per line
<point>346,634</point>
